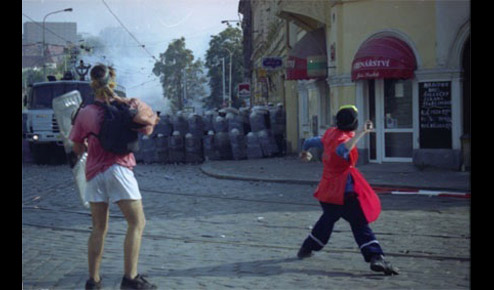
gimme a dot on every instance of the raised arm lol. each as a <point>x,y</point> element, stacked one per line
<point>368,127</point>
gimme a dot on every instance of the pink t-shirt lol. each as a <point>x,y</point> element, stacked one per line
<point>88,120</point>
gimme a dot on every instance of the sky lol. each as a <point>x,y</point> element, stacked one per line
<point>154,23</point>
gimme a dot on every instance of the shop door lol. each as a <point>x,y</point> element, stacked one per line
<point>303,113</point>
<point>391,111</point>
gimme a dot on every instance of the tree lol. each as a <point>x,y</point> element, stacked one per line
<point>195,81</point>
<point>229,39</point>
<point>175,63</point>
<point>31,76</point>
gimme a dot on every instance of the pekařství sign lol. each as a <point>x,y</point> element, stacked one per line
<point>380,68</point>
<point>371,63</point>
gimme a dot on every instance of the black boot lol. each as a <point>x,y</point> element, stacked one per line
<point>378,264</point>
<point>139,282</point>
<point>91,284</point>
<point>304,253</point>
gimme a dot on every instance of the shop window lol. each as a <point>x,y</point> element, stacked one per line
<point>398,104</point>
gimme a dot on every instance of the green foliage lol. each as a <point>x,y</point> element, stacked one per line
<point>195,80</point>
<point>31,76</point>
<point>229,39</point>
<point>178,61</point>
<point>175,63</point>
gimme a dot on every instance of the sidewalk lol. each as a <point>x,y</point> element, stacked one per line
<point>288,169</point>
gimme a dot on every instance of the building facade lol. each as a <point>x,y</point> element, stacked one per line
<point>404,64</point>
<point>57,33</point>
<point>59,36</point>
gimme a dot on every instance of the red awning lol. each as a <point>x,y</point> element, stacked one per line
<point>296,68</point>
<point>381,58</point>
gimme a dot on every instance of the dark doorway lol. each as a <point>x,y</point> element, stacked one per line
<point>467,133</point>
<point>466,88</point>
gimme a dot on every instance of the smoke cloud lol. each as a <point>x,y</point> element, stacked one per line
<point>113,46</point>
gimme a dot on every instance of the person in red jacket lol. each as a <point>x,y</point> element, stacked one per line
<point>344,193</point>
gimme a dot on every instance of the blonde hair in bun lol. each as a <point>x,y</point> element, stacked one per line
<point>103,82</point>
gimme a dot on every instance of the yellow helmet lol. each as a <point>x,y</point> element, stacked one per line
<point>348,107</point>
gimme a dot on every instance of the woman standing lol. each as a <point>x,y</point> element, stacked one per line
<point>109,179</point>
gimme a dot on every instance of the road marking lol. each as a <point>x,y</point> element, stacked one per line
<point>408,191</point>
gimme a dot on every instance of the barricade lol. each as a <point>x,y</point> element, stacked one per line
<point>259,119</point>
<point>254,150</point>
<point>196,125</point>
<point>164,127</point>
<point>178,139</point>
<point>161,145</point>
<point>244,115</point>
<point>238,142</point>
<point>268,144</point>
<point>180,124</point>
<point>208,146</point>
<point>222,146</point>
<point>234,121</point>
<point>193,149</point>
<point>209,116</point>
<point>176,148</point>
<point>147,149</point>
<point>220,125</point>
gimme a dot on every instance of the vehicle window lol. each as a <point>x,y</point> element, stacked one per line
<point>41,97</point>
<point>86,93</point>
<point>58,90</point>
<point>70,87</point>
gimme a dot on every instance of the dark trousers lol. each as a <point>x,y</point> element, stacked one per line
<point>351,212</point>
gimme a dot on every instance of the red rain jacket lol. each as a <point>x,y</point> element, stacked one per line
<point>331,188</point>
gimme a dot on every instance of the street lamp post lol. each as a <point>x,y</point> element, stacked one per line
<point>227,22</point>
<point>223,78</point>
<point>44,44</point>
<point>230,78</point>
<point>182,103</point>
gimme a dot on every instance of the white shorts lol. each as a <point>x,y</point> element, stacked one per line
<point>114,184</point>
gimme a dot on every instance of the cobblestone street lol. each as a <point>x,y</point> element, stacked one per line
<point>208,233</point>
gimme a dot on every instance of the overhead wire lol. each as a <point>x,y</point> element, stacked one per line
<point>136,40</point>
<point>62,38</point>
<point>143,83</point>
<point>45,28</point>
<point>128,31</point>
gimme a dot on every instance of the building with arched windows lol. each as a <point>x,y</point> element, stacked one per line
<point>404,64</point>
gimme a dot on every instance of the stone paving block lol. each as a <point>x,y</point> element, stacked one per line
<point>207,233</point>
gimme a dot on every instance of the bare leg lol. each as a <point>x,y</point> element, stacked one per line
<point>134,214</point>
<point>99,214</point>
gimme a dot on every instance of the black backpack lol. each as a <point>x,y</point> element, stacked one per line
<point>117,133</point>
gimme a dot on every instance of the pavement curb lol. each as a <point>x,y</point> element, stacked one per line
<point>256,179</point>
<point>379,188</point>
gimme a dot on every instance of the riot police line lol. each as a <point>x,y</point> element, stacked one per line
<point>225,134</point>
